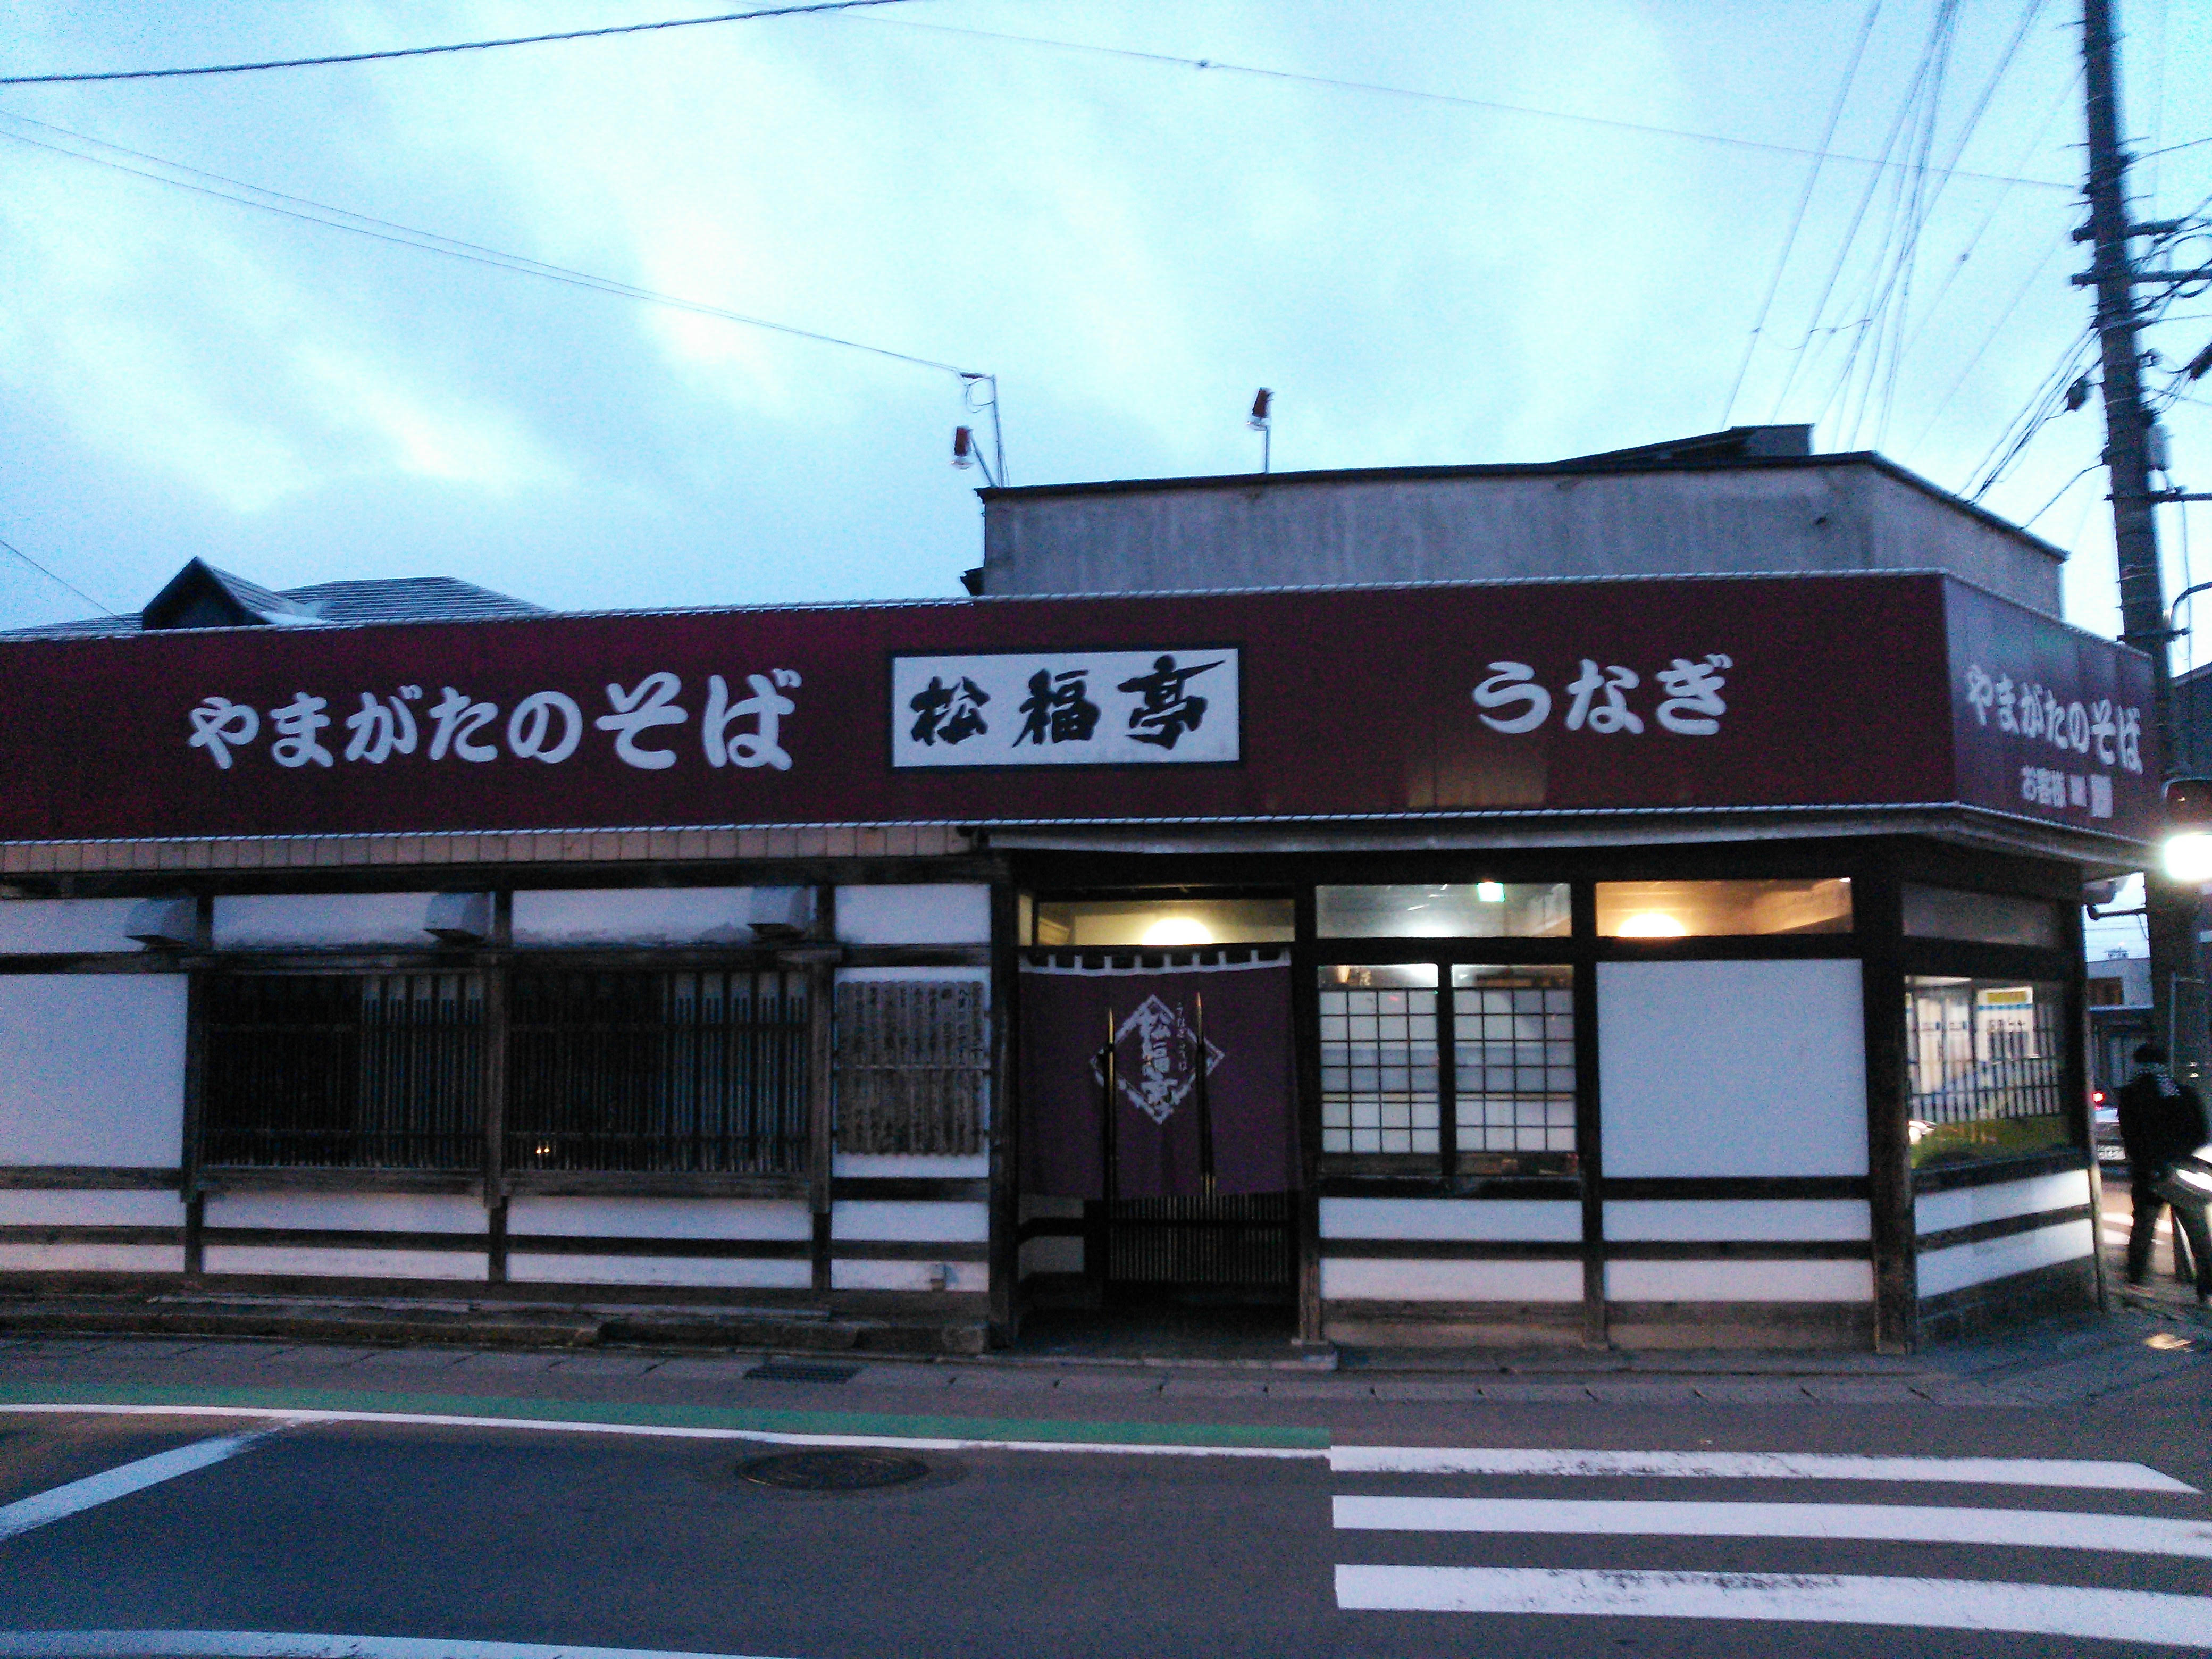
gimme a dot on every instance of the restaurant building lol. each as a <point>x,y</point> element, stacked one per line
<point>1634,900</point>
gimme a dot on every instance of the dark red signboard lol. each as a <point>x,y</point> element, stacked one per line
<point>1809,690</point>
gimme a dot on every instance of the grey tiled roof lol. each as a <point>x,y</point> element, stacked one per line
<point>403,598</point>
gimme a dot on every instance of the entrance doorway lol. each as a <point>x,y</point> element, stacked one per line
<point>1157,1088</point>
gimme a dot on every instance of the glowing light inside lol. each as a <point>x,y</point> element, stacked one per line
<point>1490,892</point>
<point>1178,930</point>
<point>1652,924</point>
<point>2189,857</point>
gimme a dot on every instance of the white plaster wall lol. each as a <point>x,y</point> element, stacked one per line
<point>1708,1219</point>
<point>1963,1207</point>
<point>2000,1258</point>
<point>1447,1218</point>
<point>933,1223</point>
<point>1365,1279</point>
<point>972,1167</point>
<point>319,1263</point>
<point>918,913</point>
<point>1740,1281</point>
<point>734,1273</point>
<point>321,920</point>
<point>63,926</point>
<point>660,1217</point>
<point>91,1209</point>
<point>92,1069</point>
<point>92,1258</point>
<point>385,1213</point>
<point>1732,1068</point>
<point>635,916</point>
<point>909,1275</point>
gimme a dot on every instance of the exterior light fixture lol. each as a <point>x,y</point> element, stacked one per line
<point>2187,852</point>
<point>1652,924</point>
<point>963,447</point>
<point>1178,930</point>
<point>1263,422</point>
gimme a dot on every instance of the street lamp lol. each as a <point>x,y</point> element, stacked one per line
<point>2187,849</point>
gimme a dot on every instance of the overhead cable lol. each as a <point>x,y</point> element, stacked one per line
<point>1335,84</point>
<point>55,576</point>
<point>80,76</point>
<point>307,210</point>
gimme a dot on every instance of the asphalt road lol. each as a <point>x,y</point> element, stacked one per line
<point>456,1534</point>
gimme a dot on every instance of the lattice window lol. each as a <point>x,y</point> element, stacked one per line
<point>662,1071</point>
<point>1513,1041</point>
<point>345,1071</point>
<point>1378,1059</point>
<point>1985,1060</point>
<point>913,1063</point>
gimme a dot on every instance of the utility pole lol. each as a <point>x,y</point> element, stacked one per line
<point>2169,908</point>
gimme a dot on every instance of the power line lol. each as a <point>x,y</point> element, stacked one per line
<point>52,576</point>
<point>1335,84</point>
<point>432,52</point>
<point>1797,219</point>
<point>306,211</point>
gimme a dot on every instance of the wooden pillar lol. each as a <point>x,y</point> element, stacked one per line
<point>820,962</point>
<point>195,1114</point>
<point>496,966</point>
<point>1589,1122</point>
<point>1305,1106</point>
<point>1878,916</point>
<point>1003,1139</point>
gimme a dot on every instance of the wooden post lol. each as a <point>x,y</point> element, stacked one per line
<point>1589,1117</point>
<point>1004,1139</point>
<point>1878,914</point>
<point>195,1114</point>
<point>495,967</point>
<point>1108,1128</point>
<point>1205,1101</point>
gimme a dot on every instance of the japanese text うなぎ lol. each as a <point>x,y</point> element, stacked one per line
<point>1598,697</point>
<point>547,726</point>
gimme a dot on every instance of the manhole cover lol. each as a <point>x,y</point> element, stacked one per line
<point>831,1471</point>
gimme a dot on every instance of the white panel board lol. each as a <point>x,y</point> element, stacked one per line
<point>635,916</point>
<point>92,1258</point>
<point>267,1259</point>
<point>932,1222</point>
<point>92,1069</point>
<point>1740,1281</point>
<point>91,1209</point>
<point>661,1218</point>
<point>379,1212</point>
<point>736,1273</point>
<point>1363,1278</point>
<point>1964,1206</point>
<point>909,1275</point>
<point>915,913</point>
<point>1732,1068</point>
<point>321,920</point>
<point>973,1167</point>
<point>1557,1219</point>
<point>1702,1218</point>
<point>65,926</point>
<point>1963,1265</point>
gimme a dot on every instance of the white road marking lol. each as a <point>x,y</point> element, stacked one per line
<point>288,1414</point>
<point>1820,1599</point>
<point>1752,1466</point>
<point>119,1482</point>
<point>283,1644</point>
<point>2049,1529</point>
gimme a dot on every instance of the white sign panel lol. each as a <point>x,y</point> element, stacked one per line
<point>1068,709</point>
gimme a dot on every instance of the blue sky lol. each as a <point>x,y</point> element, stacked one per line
<point>1131,245</point>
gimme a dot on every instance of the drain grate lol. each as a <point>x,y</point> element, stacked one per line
<point>831,1471</point>
<point>803,1371</point>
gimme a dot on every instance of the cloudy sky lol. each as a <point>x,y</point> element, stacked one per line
<point>1513,265</point>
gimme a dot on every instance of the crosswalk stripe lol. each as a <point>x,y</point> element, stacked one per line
<point>1752,1466</point>
<point>1838,1599</point>
<point>1904,1524</point>
<point>119,1482</point>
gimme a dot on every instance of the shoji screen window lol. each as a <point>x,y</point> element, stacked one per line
<point>1378,1059</point>
<point>1513,1068</point>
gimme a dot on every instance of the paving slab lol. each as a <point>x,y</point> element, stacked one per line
<point>1753,1391</point>
<point>1119,1382</point>
<point>1004,1381</point>
<point>1334,1388</point>
<point>413,1359</point>
<point>710,1370</point>
<point>1866,1392</point>
<point>606,1365</point>
<point>1649,1394</point>
<point>1468,1389</point>
<point>1213,1388</point>
<point>1575,1394</point>
<point>889,1377</point>
<point>496,1363</point>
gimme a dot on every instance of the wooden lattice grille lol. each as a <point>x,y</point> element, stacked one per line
<point>913,1057</point>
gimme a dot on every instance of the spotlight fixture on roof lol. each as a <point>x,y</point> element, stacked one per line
<point>1262,422</point>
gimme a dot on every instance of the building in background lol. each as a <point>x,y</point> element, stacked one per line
<point>1635,900</point>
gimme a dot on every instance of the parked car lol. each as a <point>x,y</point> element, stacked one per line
<point>2104,1129</point>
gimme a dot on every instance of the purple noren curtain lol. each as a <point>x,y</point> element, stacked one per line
<point>1156,1129</point>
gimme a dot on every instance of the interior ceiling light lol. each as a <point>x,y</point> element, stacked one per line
<point>1178,930</point>
<point>1490,892</point>
<point>1652,924</point>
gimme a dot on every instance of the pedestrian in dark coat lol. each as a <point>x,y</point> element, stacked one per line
<point>2162,1123</point>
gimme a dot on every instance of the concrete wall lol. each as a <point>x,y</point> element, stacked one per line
<point>1844,515</point>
